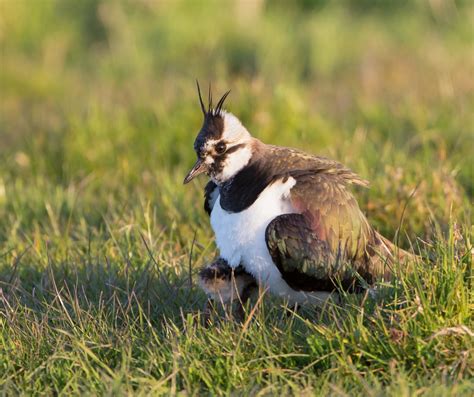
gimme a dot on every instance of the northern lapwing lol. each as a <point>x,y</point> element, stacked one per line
<point>285,217</point>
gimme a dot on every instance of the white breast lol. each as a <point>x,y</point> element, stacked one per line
<point>240,238</point>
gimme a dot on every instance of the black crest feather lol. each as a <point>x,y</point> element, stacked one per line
<point>221,102</point>
<point>218,109</point>
<point>209,100</point>
<point>200,99</point>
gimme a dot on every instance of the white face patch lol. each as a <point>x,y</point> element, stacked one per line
<point>234,162</point>
<point>209,160</point>
<point>234,131</point>
<point>234,134</point>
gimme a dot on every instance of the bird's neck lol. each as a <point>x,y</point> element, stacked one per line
<point>241,191</point>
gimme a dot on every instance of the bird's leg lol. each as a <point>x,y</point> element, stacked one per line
<point>328,307</point>
<point>293,309</point>
<point>247,291</point>
<point>207,310</point>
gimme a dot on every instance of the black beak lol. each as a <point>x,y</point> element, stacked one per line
<point>197,169</point>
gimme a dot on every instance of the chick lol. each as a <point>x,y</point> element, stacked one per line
<point>226,285</point>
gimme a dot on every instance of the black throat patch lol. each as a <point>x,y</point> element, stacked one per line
<point>243,189</point>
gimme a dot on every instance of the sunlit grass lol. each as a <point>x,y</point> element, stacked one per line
<point>100,242</point>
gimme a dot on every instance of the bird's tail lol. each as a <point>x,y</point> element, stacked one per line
<point>386,257</point>
<point>396,252</point>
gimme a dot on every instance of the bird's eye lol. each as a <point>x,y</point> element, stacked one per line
<point>220,147</point>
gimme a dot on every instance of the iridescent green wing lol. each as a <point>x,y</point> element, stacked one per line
<point>324,243</point>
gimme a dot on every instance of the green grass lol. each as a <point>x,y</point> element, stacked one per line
<point>98,114</point>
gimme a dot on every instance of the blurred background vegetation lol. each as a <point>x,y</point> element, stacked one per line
<point>98,102</point>
<point>98,113</point>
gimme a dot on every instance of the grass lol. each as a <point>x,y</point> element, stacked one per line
<point>100,242</point>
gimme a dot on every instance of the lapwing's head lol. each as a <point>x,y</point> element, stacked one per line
<point>223,145</point>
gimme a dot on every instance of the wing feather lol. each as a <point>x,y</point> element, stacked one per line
<point>324,243</point>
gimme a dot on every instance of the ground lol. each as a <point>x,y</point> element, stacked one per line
<point>100,242</point>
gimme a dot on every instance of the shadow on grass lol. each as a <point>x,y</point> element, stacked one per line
<point>105,289</point>
<point>98,315</point>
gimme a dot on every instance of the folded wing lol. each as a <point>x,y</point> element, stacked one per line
<point>326,243</point>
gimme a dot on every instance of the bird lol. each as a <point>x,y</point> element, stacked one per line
<point>226,285</point>
<point>222,282</point>
<point>284,219</point>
